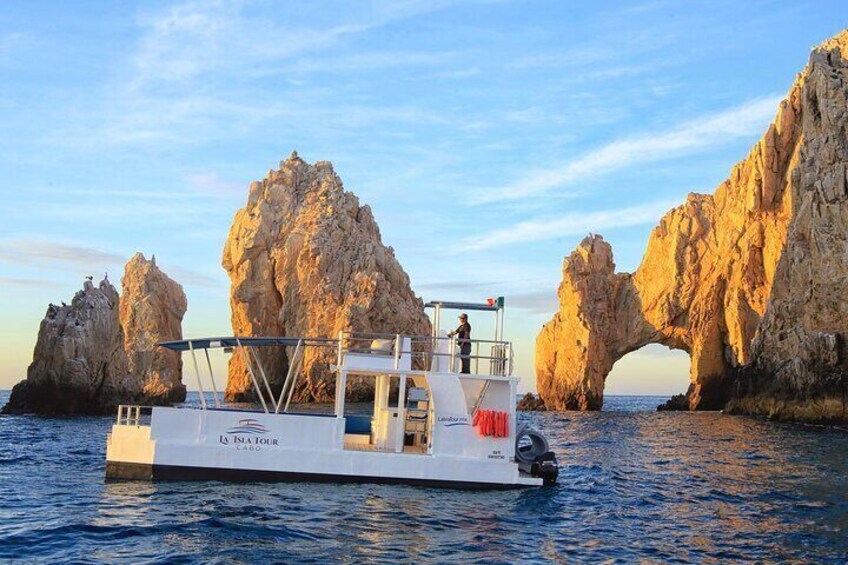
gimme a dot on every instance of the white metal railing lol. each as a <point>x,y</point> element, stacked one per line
<point>420,353</point>
<point>133,415</point>
<point>498,361</point>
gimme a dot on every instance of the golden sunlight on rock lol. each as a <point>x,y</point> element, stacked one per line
<point>305,259</point>
<point>749,280</point>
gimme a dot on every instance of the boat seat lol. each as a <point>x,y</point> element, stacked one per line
<point>358,425</point>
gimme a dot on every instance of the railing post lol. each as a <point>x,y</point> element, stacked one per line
<point>295,373</point>
<point>212,378</point>
<point>397,351</point>
<point>401,415</point>
<point>339,358</point>
<point>197,375</point>
<point>262,374</point>
<point>292,368</point>
<point>252,376</point>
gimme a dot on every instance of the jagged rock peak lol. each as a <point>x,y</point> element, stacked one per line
<point>152,309</point>
<point>305,259</point>
<point>78,358</point>
<point>748,280</point>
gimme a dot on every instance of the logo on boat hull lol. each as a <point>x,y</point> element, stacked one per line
<point>248,426</point>
<point>453,421</point>
<point>247,435</point>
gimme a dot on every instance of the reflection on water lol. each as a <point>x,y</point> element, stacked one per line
<point>634,485</point>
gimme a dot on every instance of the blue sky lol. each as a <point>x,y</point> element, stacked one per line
<point>488,137</point>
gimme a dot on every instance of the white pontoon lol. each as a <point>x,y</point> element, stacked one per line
<point>439,427</point>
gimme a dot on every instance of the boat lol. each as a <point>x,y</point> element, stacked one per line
<point>430,425</point>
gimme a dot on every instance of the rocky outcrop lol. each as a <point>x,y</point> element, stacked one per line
<point>99,350</point>
<point>576,350</point>
<point>799,363</point>
<point>749,281</point>
<point>79,364</point>
<point>305,259</point>
<point>530,403</point>
<point>152,307</point>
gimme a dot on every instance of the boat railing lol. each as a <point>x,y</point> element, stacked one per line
<point>134,415</point>
<point>487,357</point>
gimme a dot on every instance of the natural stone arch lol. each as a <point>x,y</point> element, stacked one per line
<point>703,308</point>
<point>703,284</point>
<point>600,321</point>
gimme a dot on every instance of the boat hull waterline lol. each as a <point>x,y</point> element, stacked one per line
<point>231,445</point>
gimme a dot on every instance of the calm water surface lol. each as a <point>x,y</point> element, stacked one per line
<point>635,485</point>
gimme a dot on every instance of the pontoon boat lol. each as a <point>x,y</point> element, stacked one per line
<point>430,425</point>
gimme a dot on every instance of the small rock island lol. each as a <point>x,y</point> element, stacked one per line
<point>99,351</point>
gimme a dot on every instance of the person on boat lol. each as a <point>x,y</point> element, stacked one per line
<point>463,339</point>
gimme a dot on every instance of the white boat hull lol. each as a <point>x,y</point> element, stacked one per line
<point>185,444</point>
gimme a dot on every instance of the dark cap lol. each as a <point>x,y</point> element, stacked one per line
<point>463,316</point>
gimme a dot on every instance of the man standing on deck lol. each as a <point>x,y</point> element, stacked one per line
<point>463,339</point>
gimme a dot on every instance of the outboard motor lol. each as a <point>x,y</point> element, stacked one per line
<point>534,457</point>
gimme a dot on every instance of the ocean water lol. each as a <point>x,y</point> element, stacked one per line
<point>635,486</point>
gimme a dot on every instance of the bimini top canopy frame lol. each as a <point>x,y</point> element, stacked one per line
<point>245,346</point>
<point>235,341</point>
<point>431,353</point>
<point>495,305</point>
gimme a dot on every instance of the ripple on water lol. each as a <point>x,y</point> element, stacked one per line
<point>633,486</point>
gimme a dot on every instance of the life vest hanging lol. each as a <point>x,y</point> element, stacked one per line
<point>491,423</point>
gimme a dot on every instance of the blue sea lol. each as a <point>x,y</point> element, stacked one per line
<point>635,486</point>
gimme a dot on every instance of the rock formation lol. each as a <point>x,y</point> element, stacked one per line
<point>98,351</point>
<point>749,281</point>
<point>152,307</point>
<point>305,259</point>
<point>799,363</point>
<point>530,403</point>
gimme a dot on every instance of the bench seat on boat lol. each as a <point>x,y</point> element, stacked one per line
<point>358,425</point>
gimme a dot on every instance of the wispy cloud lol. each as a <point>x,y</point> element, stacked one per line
<point>536,302</point>
<point>27,283</point>
<point>370,61</point>
<point>573,223</point>
<point>13,46</point>
<point>193,278</point>
<point>694,135</point>
<point>450,286</point>
<point>213,183</point>
<point>192,75</point>
<point>54,255</point>
<point>46,253</point>
<point>192,38</point>
<point>458,73</point>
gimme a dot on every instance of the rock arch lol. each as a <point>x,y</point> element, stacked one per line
<point>702,286</point>
<point>750,280</point>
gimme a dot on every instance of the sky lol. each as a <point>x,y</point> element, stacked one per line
<point>489,137</point>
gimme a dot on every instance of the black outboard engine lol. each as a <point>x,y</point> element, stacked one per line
<point>534,457</point>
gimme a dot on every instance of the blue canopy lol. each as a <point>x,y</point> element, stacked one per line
<point>498,304</point>
<point>218,342</point>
